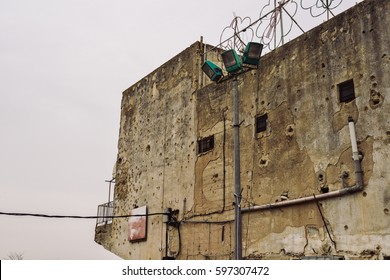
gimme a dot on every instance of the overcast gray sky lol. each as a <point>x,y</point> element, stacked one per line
<point>63,67</point>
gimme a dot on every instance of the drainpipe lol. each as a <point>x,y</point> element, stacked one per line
<point>358,187</point>
<point>355,154</point>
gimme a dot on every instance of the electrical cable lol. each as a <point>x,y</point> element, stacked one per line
<point>179,250</point>
<point>323,219</point>
<point>207,222</point>
<point>76,216</point>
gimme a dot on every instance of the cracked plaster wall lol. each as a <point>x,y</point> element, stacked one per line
<point>307,144</point>
<point>156,153</point>
<point>305,148</point>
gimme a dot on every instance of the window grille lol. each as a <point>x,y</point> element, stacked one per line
<point>205,144</point>
<point>346,91</point>
<point>261,123</point>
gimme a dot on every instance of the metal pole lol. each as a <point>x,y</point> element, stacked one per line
<point>281,24</point>
<point>275,20</point>
<point>237,186</point>
<point>109,189</point>
<point>327,9</point>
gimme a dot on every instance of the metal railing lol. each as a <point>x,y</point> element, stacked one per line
<point>105,213</point>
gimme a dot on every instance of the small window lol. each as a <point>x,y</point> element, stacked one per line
<point>346,91</point>
<point>261,123</point>
<point>205,144</point>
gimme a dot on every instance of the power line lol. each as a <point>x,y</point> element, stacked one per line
<point>76,216</point>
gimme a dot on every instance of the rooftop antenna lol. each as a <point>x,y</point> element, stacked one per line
<point>235,28</point>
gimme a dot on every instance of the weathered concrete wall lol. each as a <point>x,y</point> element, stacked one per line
<point>306,146</point>
<point>156,152</point>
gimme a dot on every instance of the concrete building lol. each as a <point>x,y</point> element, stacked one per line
<point>300,196</point>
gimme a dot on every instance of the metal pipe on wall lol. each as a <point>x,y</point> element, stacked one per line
<point>237,179</point>
<point>355,153</point>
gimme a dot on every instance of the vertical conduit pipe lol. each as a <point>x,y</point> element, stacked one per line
<point>355,153</point>
<point>237,180</point>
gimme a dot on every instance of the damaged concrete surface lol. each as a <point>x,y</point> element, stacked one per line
<point>304,151</point>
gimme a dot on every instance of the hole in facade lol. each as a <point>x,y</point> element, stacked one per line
<point>346,91</point>
<point>206,144</point>
<point>263,162</point>
<point>261,123</point>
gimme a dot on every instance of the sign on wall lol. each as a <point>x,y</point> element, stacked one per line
<point>138,224</point>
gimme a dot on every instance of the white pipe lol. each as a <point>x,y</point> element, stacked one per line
<point>352,133</point>
<point>355,153</point>
<point>301,200</point>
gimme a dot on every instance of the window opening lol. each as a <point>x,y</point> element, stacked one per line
<point>346,91</point>
<point>261,123</point>
<point>205,144</point>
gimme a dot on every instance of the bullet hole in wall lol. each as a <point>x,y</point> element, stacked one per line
<point>263,162</point>
<point>376,99</point>
<point>324,189</point>
<point>321,176</point>
<point>289,131</point>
